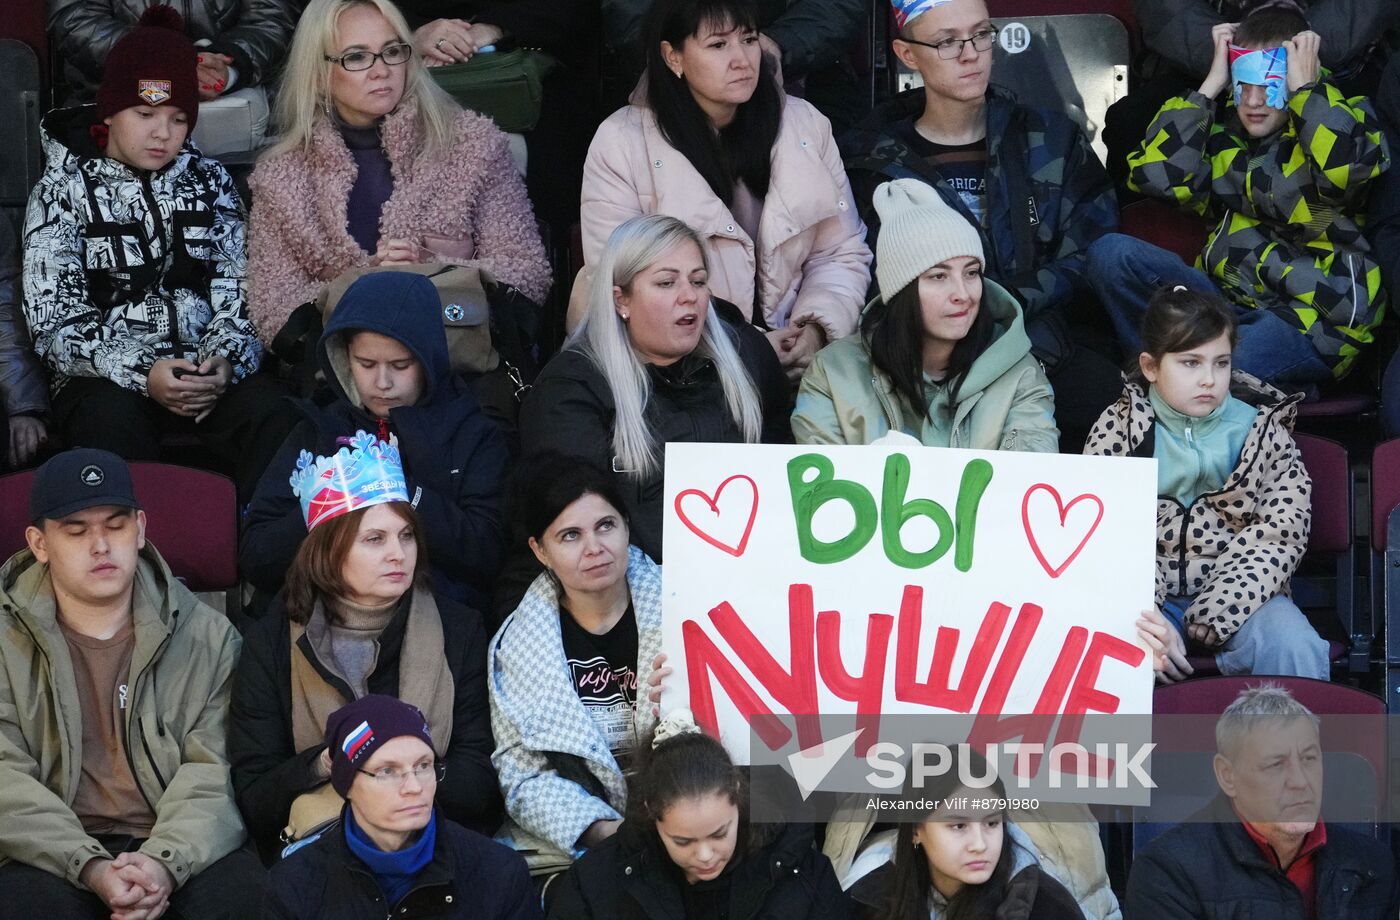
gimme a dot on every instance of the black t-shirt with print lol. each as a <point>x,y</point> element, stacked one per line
<point>604,673</point>
<point>962,166</point>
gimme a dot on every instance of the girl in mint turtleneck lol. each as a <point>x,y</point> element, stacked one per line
<point>1234,500</point>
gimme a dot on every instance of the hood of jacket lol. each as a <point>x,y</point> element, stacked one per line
<point>871,137</point>
<point>1009,342</point>
<point>871,890</point>
<point>421,334</point>
<point>69,147</point>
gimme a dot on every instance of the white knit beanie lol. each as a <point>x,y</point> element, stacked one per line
<point>918,229</point>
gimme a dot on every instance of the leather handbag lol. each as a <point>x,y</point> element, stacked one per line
<point>506,86</point>
<point>491,331</point>
<point>312,811</point>
<point>466,310</point>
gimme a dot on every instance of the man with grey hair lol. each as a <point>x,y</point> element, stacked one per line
<point>1261,848</point>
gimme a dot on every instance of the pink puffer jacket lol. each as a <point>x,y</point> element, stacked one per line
<point>813,263</point>
<point>297,236</point>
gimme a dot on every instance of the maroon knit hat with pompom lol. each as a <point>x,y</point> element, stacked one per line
<point>153,64</point>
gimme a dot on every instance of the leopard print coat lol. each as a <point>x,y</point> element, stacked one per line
<point>1236,548</point>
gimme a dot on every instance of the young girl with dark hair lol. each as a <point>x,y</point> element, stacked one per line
<point>564,669</point>
<point>688,852</point>
<point>964,861</point>
<point>1234,499</point>
<point>710,139</point>
<point>944,357</point>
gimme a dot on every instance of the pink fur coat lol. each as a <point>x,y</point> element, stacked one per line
<point>297,235</point>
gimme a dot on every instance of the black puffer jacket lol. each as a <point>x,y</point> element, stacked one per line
<point>1210,869</point>
<point>469,878</point>
<point>571,410</point>
<point>255,33</point>
<point>630,877</point>
<point>1030,895</point>
<point>269,772</point>
<point>23,389</point>
<point>1179,30</point>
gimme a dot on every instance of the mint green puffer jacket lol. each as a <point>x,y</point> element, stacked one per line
<point>1004,404</point>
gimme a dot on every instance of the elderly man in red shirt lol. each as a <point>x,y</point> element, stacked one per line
<point>1261,849</point>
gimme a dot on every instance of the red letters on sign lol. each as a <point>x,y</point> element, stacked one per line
<point>815,648</point>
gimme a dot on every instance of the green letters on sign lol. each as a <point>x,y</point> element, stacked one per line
<point>807,497</point>
<point>894,512</point>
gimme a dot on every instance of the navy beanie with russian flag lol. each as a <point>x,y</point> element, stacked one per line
<point>356,730</point>
<point>153,64</point>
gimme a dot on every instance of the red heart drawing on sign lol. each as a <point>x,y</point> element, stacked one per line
<point>713,503</point>
<point>1063,510</point>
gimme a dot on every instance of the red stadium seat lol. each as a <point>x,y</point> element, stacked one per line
<point>1355,768</point>
<point>1327,582</point>
<point>191,518</point>
<point>1160,224</point>
<point>1385,556</point>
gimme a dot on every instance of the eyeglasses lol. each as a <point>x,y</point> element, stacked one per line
<point>353,61</point>
<point>389,777</point>
<point>951,48</point>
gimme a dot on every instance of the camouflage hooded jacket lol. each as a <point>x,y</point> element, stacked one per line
<point>1048,197</point>
<point>1288,209</point>
<point>1234,549</point>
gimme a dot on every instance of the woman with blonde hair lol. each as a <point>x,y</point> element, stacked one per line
<point>654,360</point>
<point>378,166</point>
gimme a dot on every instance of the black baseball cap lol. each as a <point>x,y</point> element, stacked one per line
<point>78,479</point>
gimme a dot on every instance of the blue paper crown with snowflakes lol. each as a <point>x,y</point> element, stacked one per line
<point>368,472</point>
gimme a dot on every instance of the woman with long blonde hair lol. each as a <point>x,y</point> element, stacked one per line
<point>654,360</point>
<point>378,166</point>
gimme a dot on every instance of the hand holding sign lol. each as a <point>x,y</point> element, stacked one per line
<point>900,579</point>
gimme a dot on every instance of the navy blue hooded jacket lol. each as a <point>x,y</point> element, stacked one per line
<point>455,457</point>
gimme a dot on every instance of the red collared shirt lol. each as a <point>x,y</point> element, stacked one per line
<point>1302,872</point>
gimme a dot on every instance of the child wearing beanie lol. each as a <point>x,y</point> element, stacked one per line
<point>382,763</point>
<point>133,269</point>
<point>942,354</point>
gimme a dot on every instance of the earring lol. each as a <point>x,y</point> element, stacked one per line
<point>678,72</point>
<point>624,316</point>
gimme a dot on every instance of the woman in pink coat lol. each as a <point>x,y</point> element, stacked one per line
<point>377,165</point>
<point>712,140</point>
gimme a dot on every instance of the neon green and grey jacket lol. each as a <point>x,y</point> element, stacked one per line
<point>1288,209</point>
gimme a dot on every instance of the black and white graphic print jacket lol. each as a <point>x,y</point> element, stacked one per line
<point>124,267</point>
